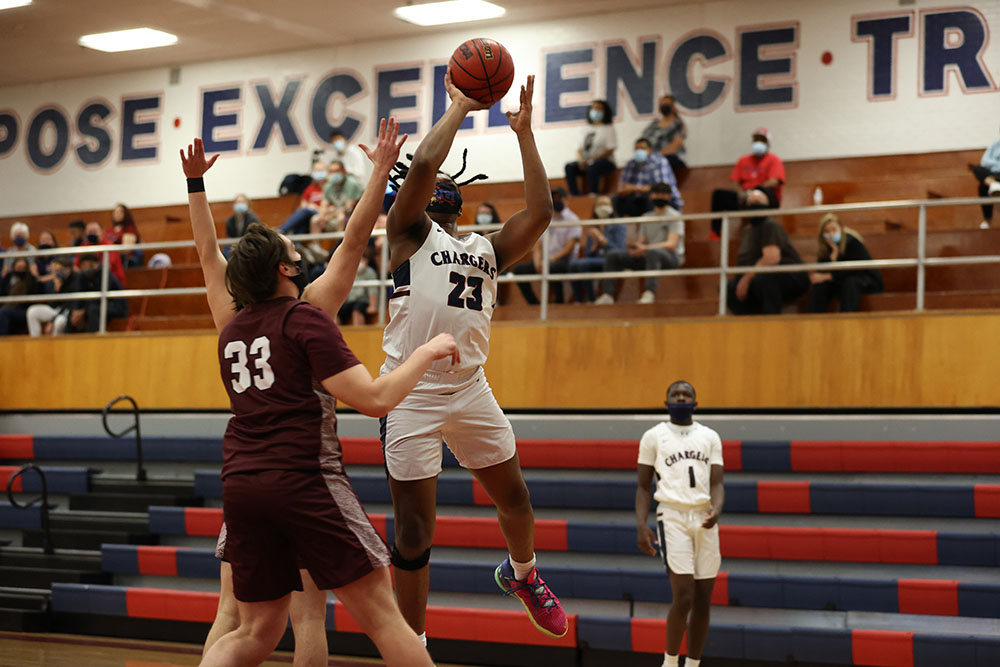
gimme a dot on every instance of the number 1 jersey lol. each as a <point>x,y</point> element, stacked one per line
<point>273,355</point>
<point>682,457</point>
<point>449,285</point>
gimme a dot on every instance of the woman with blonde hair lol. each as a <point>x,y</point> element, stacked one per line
<point>837,243</point>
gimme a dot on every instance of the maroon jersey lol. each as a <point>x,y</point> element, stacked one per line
<point>270,355</point>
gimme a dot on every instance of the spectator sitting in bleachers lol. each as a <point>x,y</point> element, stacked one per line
<point>764,242</point>
<point>666,136</point>
<point>309,203</point>
<point>597,241</point>
<point>242,217</point>
<point>341,187</point>
<point>760,169</point>
<point>987,172</point>
<point>361,301</point>
<point>95,234</point>
<point>19,236</point>
<point>77,233</point>
<point>46,241</point>
<point>841,244</point>
<point>645,168</point>
<point>656,245</point>
<point>53,318</point>
<point>562,247</point>
<point>350,155</point>
<point>85,316</point>
<point>595,155</point>
<point>19,281</point>
<point>487,214</point>
<point>124,232</point>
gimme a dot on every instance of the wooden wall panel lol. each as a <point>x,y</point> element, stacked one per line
<point>876,360</point>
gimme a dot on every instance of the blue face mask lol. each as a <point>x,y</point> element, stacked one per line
<point>680,413</point>
<point>835,238</point>
<point>337,177</point>
<point>758,148</point>
<point>319,175</point>
<point>339,145</point>
<point>641,155</point>
<point>241,207</point>
<point>595,115</point>
<point>483,218</point>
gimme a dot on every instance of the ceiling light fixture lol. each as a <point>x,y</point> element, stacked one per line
<point>127,40</point>
<point>449,11</point>
<point>11,4</point>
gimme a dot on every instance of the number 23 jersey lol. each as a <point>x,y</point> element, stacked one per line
<point>449,285</point>
<point>682,457</point>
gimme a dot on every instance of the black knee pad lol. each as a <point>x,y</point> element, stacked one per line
<point>410,564</point>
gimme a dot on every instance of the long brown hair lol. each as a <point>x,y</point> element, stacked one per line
<point>252,270</point>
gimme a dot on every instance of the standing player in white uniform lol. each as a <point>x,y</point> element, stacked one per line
<point>448,283</point>
<point>686,458</point>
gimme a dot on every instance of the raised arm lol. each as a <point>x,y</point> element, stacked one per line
<point>407,215</point>
<point>523,228</point>
<point>330,290</point>
<point>213,263</point>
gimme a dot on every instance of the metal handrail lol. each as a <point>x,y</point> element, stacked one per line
<point>140,472</point>
<point>384,283</point>
<point>46,531</point>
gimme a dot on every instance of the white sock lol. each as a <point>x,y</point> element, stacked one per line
<point>423,638</point>
<point>669,660</point>
<point>691,662</point>
<point>522,570</point>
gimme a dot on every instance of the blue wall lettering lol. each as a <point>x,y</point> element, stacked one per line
<point>387,104</point>
<point>8,133</point>
<point>881,32</point>
<point>440,101</point>
<point>36,153</point>
<point>752,67</point>
<point>711,50</point>
<point>90,124</point>
<point>639,84</point>
<point>335,84</point>
<point>938,55</point>
<point>131,129</point>
<point>211,121</point>
<point>277,114</point>
<point>556,84</point>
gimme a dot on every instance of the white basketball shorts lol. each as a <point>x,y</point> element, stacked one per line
<point>687,548</point>
<point>465,416</point>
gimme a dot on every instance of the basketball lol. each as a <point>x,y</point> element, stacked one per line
<point>482,69</point>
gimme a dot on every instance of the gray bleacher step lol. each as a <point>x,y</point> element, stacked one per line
<point>44,577</point>
<point>60,558</point>
<point>24,610</point>
<point>87,539</point>
<point>99,520</point>
<point>116,483</point>
<point>140,501</point>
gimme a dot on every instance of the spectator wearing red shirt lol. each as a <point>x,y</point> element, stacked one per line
<point>758,170</point>
<point>96,236</point>
<point>124,231</point>
<point>309,204</point>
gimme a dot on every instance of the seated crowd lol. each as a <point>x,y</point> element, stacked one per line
<point>648,186</point>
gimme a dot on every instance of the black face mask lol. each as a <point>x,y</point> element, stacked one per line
<point>93,239</point>
<point>90,274</point>
<point>660,202</point>
<point>301,279</point>
<point>665,109</point>
<point>558,206</point>
<point>446,199</point>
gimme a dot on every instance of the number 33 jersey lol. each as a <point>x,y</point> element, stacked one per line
<point>449,285</point>
<point>682,457</point>
<point>273,355</point>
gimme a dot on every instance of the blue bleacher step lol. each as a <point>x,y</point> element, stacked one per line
<point>129,502</point>
<point>60,558</point>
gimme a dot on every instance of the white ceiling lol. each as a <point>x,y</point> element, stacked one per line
<point>39,42</point>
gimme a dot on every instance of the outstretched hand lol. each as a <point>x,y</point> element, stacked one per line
<point>520,120</point>
<point>386,151</point>
<point>458,97</point>
<point>194,163</point>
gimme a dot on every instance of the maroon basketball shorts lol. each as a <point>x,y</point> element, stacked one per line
<point>280,520</point>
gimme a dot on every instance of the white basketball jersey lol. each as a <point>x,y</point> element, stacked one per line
<point>682,457</point>
<point>449,285</point>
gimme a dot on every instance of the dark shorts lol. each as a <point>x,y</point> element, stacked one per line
<point>280,520</point>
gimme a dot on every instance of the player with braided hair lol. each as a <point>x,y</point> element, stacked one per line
<point>447,282</point>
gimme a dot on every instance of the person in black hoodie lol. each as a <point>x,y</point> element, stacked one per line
<point>841,244</point>
<point>85,316</point>
<point>19,281</point>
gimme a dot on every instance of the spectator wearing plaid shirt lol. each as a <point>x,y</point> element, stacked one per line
<point>645,168</point>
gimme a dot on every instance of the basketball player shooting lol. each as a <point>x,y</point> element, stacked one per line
<point>686,459</point>
<point>446,282</point>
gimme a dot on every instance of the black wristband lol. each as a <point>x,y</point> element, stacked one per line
<point>196,185</point>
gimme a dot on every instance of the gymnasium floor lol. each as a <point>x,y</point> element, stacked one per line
<point>52,650</point>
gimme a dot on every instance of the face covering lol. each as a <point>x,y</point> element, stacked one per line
<point>241,207</point>
<point>665,109</point>
<point>680,413</point>
<point>319,175</point>
<point>659,202</point>
<point>604,211</point>
<point>835,238</point>
<point>446,199</point>
<point>641,155</point>
<point>758,148</point>
<point>44,246</point>
<point>595,115</point>
<point>63,274</point>
<point>301,279</point>
<point>20,241</point>
<point>483,218</point>
<point>90,274</point>
<point>339,145</point>
<point>21,274</point>
<point>93,239</point>
<point>558,206</point>
<point>337,177</point>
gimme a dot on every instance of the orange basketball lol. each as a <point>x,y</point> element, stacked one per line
<point>482,69</point>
